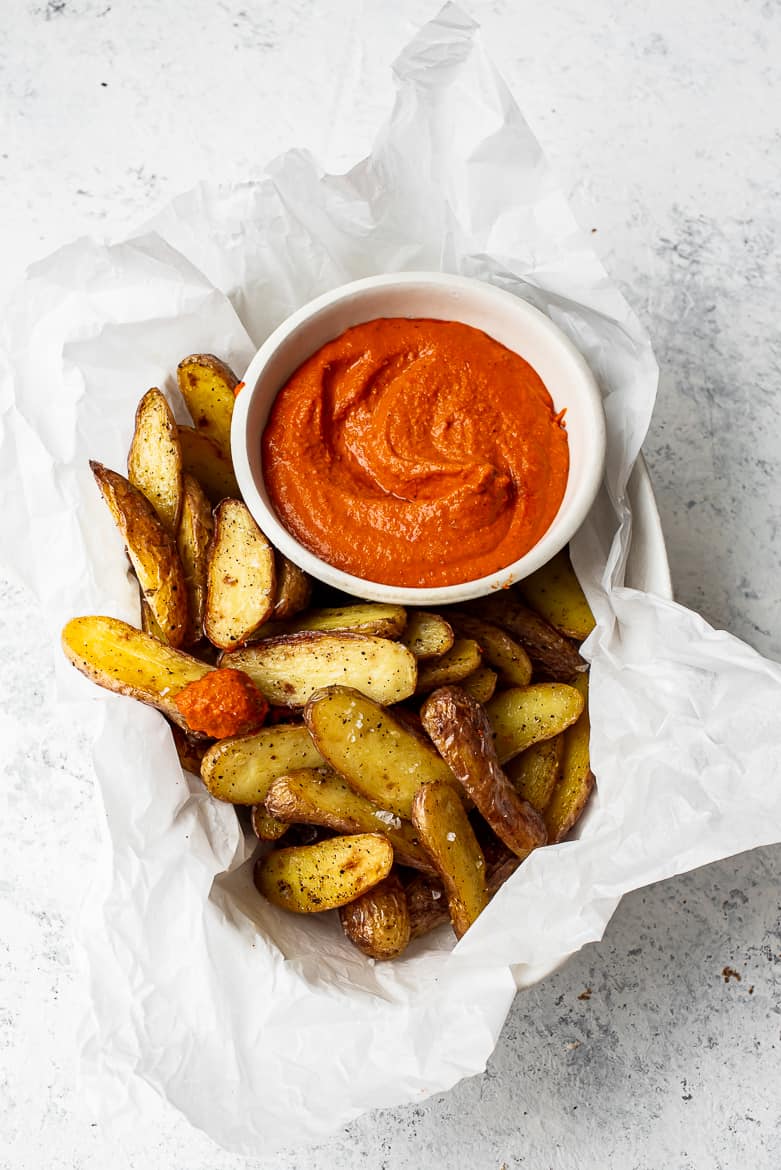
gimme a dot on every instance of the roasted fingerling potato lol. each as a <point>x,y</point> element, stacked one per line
<point>240,579</point>
<point>553,656</point>
<point>241,769</point>
<point>462,659</point>
<point>123,659</point>
<point>264,826</point>
<point>463,736</point>
<point>571,794</point>
<point>289,669</point>
<point>555,593</point>
<point>208,388</point>
<point>204,460</point>
<point>193,540</point>
<point>439,817</point>
<point>383,621</point>
<point>427,635</point>
<point>151,550</point>
<point>522,716</point>
<point>378,922</point>
<point>294,589</point>
<point>535,772</point>
<point>154,463</point>
<point>498,649</point>
<point>307,879</point>
<point>318,796</point>
<point>379,756</point>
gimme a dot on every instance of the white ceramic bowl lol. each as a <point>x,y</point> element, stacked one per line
<point>507,319</point>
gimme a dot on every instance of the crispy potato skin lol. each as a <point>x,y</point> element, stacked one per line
<point>203,459</point>
<point>154,464</point>
<point>193,539</point>
<point>152,551</point>
<point>378,755</point>
<point>555,593</point>
<point>499,650</point>
<point>289,669</point>
<point>126,660</point>
<point>207,386</point>
<point>427,635</point>
<point>522,716</point>
<point>462,734</point>
<point>318,796</point>
<point>462,659</point>
<point>241,770</point>
<point>307,879</point>
<point>378,922</point>
<point>439,817</point>
<point>294,589</point>
<point>241,577</point>
<point>552,656</point>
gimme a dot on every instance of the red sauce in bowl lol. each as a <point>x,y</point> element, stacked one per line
<point>415,452</point>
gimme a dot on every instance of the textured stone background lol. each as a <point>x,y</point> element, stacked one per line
<point>663,125</point>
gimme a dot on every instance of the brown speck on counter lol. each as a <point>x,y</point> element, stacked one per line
<point>586,993</point>
<point>730,973</point>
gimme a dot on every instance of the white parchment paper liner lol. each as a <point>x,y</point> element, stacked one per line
<point>262,1028</point>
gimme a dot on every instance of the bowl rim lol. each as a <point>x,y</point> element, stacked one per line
<point>540,553</point>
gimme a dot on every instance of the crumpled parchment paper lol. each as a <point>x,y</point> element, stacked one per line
<point>259,1026</point>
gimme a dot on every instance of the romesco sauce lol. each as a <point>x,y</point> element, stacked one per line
<point>415,452</point>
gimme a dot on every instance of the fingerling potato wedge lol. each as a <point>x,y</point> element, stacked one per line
<point>288,670</point>
<point>317,796</point>
<point>439,817</point>
<point>241,770</point>
<point>461,660</point>
<point>307,879</point>
<point>294,589</point>
<point>463,737</point>
<point>523,715</point>
<point>204,459</point>
<point>480,684</point>
<point>552,655</point>
<point>241,577</point>
<point>151,550</point>
<point>383,621</point>
<point>499,650</point>
<point>154,464</point>
<point>193,540</point>
<point>577,780</point>
<point>535,772</point>
<point>555,593</point>
<point>265,827</point>
<point>207,385</point>
<point>377,922</point>
<point>378,755</point>
<point>126,660</point>
<point>427,635</point>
